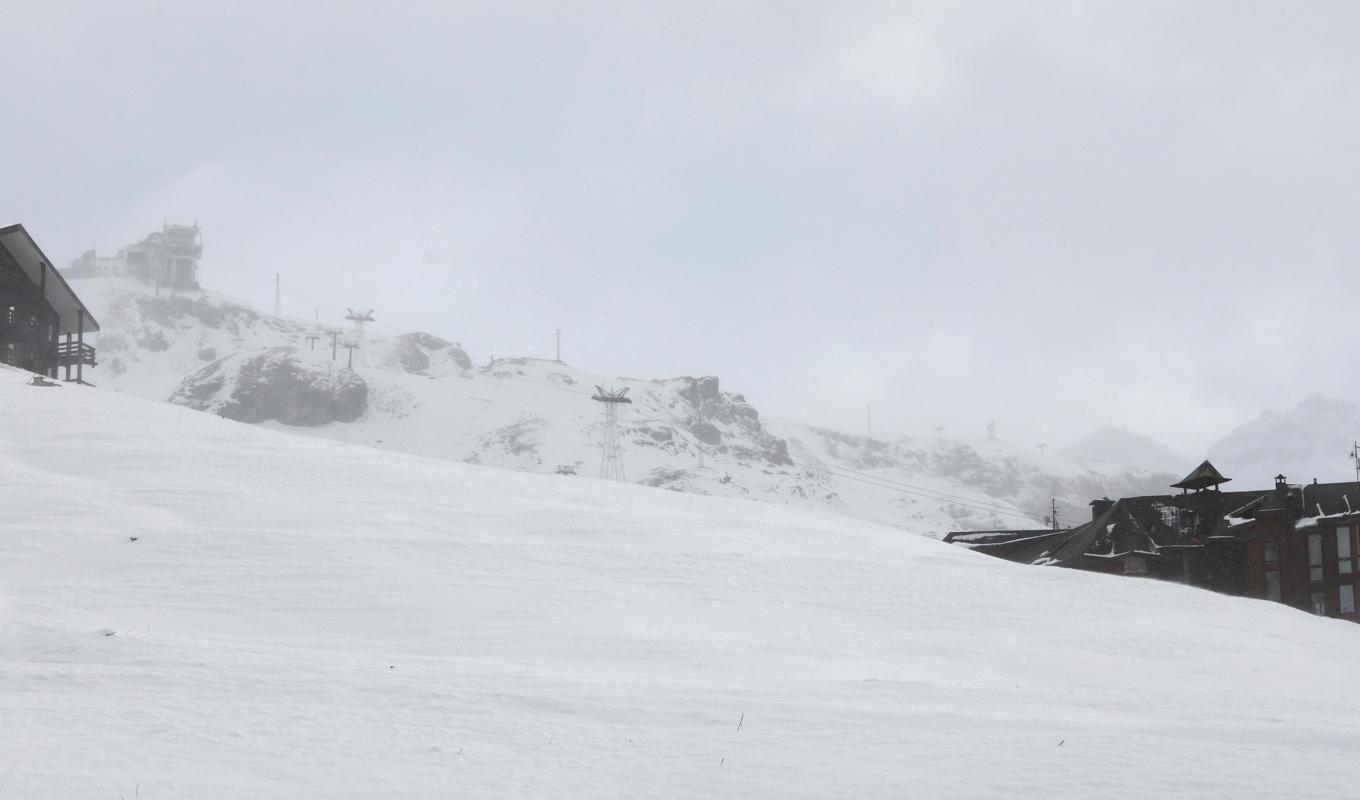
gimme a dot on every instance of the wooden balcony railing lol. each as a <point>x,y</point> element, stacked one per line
<point>69,354</point>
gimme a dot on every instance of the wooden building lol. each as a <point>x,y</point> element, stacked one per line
<point>43,324</point>
<point>1292,544</point>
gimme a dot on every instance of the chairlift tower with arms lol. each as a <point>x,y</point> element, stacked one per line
<point>359,318</point>
<point>611,465</point>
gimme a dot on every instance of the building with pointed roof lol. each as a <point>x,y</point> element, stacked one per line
<point>43,323</point>
<point>1293,544</point>
<point>1202,477</point>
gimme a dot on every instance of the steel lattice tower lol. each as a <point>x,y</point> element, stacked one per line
<point>611,464</point>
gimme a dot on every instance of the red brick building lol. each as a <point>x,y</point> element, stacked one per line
<point>1292,544</point>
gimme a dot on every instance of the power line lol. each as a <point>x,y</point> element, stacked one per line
<point>996,511</point>
<point>818,462</point>
<point>928,494</point>
<point>939,497</point>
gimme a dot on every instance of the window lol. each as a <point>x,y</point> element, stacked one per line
<point>1272,552</point>
<point>1348,599</point>
<point>1315,557</point>
<point>1319,599</point>
<point>1273,585</point>
<point>1345,562</point>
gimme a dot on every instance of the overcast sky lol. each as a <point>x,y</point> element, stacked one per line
<point>1055,216</point>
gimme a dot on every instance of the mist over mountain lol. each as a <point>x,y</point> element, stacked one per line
<point>1311,440</point>
<point>1112,445</point>
<point>420,394</point>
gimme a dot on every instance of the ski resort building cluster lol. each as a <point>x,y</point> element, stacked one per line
<point>168,257</point>
<point>1294,544</point>
<point>42,322</point>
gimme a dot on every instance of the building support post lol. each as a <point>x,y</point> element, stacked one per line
<point>46,363</point>
<point>80,346</point>
<point>53,339</point>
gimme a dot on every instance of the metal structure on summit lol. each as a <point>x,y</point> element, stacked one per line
<point>359,318</point>
<point>611,464</point>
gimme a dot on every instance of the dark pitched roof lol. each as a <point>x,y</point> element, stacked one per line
<point>1022,546</point>
<point>1123,529</point>
<point>1151,524</point>
<point>58,294</point>
<point>1331,498</point>
<point>983,538</point>
<point>1202,477</point>
<point>1132,525</point>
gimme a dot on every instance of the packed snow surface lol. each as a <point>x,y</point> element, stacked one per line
<point>195,607</point>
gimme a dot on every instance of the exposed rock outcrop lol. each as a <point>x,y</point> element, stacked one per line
<point>717,415</point>
<point>275,385</point>
<point>418,352</point>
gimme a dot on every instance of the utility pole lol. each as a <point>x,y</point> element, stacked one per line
<point>1043,446</point>
<point>334,333</point>
<point>278,307</point>
<point>1053,504</point>
<point>351,346</point>
<point>939,431</point>
<point>311,339</point>
<point>991,431</point>
<point>558,331</point>
<point>1355,456</point>
<point>611,463</point>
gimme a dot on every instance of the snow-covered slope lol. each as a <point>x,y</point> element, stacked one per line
<point>1312,440</point>
<point>190,607</point>
<point>419,394</point>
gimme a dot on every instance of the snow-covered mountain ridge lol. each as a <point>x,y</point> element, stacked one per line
<point>420,394</point>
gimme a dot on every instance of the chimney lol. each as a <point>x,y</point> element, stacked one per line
<point>1100,506</point>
